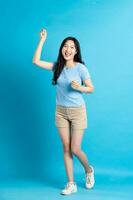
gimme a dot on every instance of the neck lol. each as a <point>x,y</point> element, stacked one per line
<point>70,63</point>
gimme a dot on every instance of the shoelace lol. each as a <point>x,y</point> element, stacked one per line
<point>88,178</point>
<point>68,185</point>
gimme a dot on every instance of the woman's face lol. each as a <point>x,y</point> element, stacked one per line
<point>69,50</point>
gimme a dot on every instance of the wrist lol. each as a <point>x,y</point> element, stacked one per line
<point>42,40</point>
<point>80,88</point>
<point>84,89</point>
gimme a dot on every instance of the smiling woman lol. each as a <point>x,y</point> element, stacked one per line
<point>69,72</point>
<point>69,50</point>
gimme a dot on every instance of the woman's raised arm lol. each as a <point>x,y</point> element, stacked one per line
<point>36,59</point>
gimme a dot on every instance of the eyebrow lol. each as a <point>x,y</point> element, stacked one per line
<point>70,45</point>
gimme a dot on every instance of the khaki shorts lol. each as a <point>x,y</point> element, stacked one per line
<point>76,117</point>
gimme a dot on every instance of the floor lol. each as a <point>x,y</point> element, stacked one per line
<point>107,187</point>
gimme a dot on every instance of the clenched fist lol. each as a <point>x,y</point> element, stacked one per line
<point>43,34</point>
<point>75,85</point>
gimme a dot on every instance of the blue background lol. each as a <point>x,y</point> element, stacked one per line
<point>30,147</point>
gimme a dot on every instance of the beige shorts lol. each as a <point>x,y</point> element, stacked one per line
<point>76,117</point>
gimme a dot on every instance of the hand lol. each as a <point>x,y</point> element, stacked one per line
<point>43,34</point>
<point>75,85</point>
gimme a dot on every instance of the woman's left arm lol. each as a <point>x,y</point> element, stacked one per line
<point>88,88</point>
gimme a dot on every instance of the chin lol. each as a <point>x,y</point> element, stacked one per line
<point>68,58</point>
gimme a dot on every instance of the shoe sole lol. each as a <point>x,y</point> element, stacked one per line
<point>74,191</point>
<point>89,187</point>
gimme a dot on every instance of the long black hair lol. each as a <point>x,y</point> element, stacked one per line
<point>59,64</point>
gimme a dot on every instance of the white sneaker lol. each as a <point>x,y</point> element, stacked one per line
<point>69,188</point>
<point>90,181</point>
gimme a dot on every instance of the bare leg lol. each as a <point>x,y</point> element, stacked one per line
<point>65,134</point>
<point>76,148</point>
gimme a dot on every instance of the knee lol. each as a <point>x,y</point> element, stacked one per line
<point>66,148</point>
<point>75,150</point>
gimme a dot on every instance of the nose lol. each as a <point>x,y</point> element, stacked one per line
<point>68,49</point>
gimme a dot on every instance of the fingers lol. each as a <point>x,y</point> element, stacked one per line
<point>75,84</point>
<point>43,30</point>
<point>43,33</point>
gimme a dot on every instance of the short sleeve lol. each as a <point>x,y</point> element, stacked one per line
<point>84,73</point>
<point>54,64</point>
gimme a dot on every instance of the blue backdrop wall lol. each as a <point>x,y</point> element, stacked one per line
<point>30,146</point>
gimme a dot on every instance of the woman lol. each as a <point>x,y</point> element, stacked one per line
<point>72,79</point>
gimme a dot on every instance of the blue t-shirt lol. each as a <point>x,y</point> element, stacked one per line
<point>65,94</point>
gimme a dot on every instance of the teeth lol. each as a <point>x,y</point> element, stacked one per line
<point>67,54</point>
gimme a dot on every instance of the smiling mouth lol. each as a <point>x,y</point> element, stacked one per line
<point>67,54</point>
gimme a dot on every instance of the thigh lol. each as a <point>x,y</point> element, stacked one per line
<point>76,137</point>
<point>65,135</point>
<point>78,118</point>
<point>61,119</point>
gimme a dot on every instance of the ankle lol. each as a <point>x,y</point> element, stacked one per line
<point>71,182</point>
<point>89,170</point>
